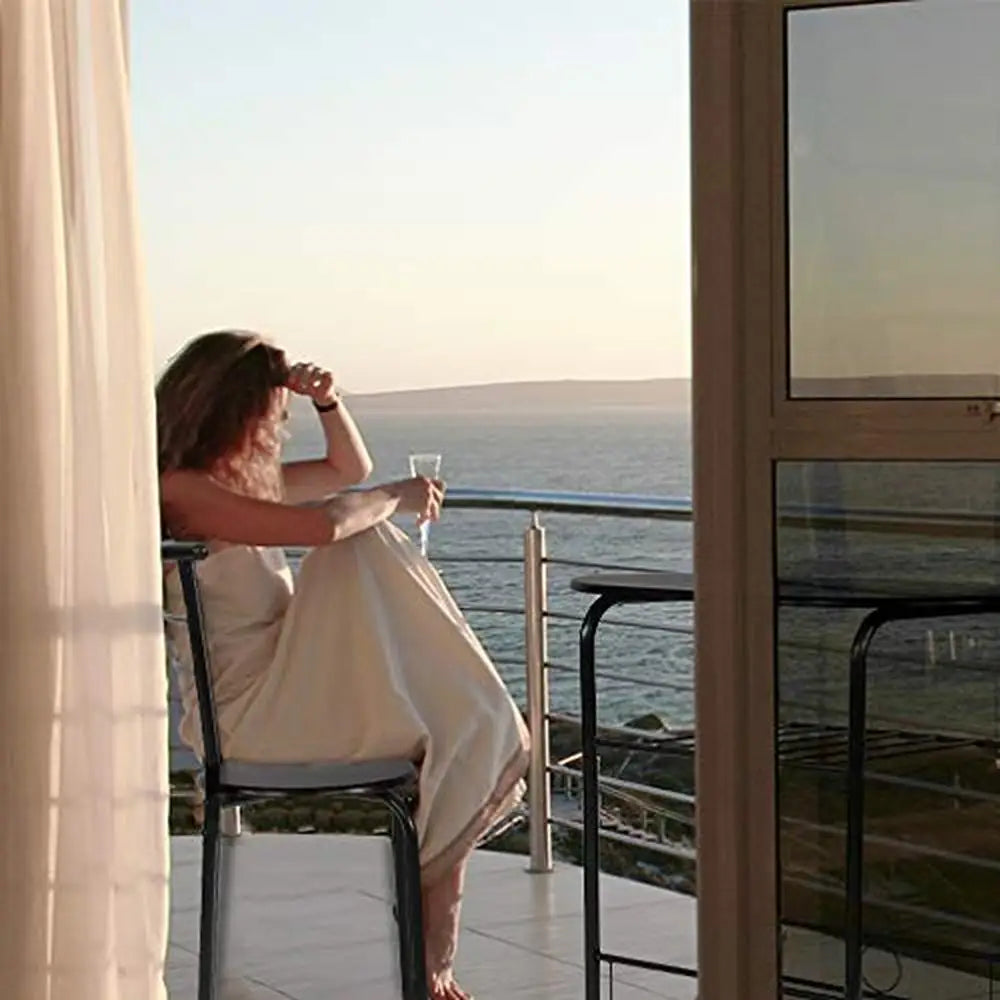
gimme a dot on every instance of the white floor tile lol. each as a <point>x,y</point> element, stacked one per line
<point>311,921</point>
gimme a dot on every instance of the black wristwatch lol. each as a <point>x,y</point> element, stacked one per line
<point>329,407</point>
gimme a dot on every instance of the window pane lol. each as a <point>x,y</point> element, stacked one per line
<point>932,797</point>
<point>894,200</point>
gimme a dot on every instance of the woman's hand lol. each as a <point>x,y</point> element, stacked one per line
<point>312,381</point>
<point>420,496</point>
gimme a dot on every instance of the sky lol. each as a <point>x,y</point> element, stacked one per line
<point>420,192</point>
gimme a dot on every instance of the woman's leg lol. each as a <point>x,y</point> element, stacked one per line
<point>442,909</point>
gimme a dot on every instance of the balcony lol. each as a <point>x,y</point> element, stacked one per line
<point>310,915</point>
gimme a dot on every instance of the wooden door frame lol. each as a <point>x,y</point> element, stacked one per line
<point>743,424</point>
<point>731,411</point>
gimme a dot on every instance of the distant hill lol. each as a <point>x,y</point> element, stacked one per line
<point>916,386</point>
<point>532,397</point>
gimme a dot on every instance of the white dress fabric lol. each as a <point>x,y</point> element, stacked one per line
<point>366,656</point>
<point>83,693</point>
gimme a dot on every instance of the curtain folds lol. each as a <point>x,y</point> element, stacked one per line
<point>83,760</point>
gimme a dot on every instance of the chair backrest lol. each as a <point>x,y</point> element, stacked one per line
<point>186,555</point>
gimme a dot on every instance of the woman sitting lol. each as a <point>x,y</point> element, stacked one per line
<point>365,655</point>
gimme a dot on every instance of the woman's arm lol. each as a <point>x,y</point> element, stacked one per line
<point>197,507</point>
<point>347,460</point>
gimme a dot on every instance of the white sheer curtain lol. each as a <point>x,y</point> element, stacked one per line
<point>83,838</point>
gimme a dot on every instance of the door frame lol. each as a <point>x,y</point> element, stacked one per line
<point>731,417</point>
<point>743,424</point>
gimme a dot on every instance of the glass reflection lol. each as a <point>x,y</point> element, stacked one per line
<point>893,139</point>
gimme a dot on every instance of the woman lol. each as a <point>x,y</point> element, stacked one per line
<point>369,657</point>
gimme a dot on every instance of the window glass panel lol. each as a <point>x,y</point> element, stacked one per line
<point>932,811</point>
<point>894,200</point>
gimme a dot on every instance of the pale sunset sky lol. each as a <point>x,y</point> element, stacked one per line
<point>420,192</point>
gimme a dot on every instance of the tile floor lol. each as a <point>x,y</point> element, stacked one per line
<point>310,921</point>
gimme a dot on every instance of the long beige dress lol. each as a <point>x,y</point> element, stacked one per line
<point>364,656</point>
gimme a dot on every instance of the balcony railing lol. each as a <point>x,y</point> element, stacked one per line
<point>537,615</point>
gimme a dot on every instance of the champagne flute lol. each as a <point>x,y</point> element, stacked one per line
<point>428,465</point>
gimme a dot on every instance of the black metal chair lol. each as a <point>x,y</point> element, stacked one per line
<point>232,782</point>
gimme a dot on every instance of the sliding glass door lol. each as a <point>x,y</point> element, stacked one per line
<point>848,456</point>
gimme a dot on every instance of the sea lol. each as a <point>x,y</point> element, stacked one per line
<point>622,450</point>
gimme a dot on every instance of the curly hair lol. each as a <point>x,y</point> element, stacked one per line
<point>218,410</point>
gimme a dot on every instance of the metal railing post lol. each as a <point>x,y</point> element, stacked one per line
<point>231,822</point>
<point>536,655</point>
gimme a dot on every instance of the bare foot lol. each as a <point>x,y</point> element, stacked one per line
<point>448,989</point>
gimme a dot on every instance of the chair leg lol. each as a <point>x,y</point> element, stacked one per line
<point>409,898</point>
<point>210,877</point>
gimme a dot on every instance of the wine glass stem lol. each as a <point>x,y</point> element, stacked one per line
<point>425,529</point>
